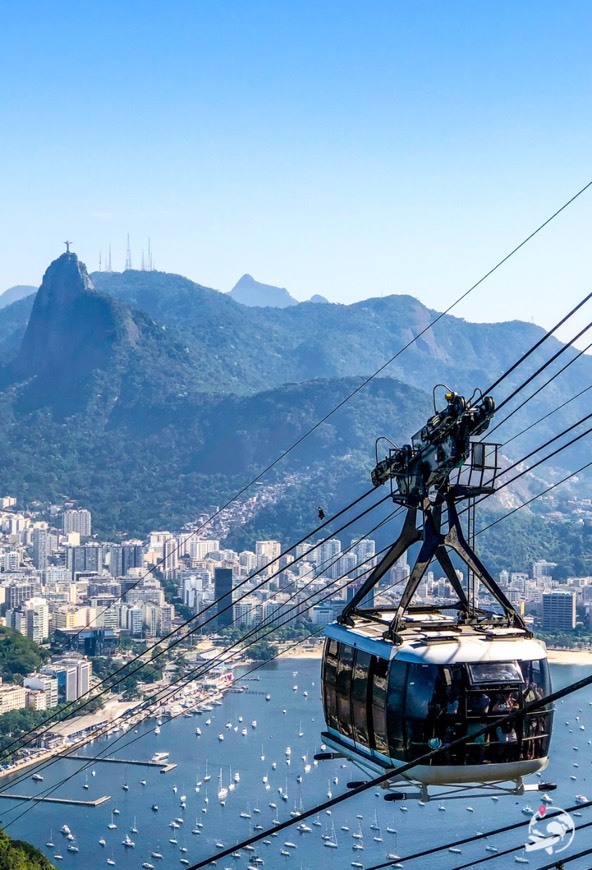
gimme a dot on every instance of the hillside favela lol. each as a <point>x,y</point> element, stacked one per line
<point>295,436</point>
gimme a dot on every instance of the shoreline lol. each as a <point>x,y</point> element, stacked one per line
<point>555,656</point>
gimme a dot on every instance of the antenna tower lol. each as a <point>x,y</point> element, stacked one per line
<point>100,261</point>
<point>128,255</point>
<point>150,266</point>
<point>109,260</point>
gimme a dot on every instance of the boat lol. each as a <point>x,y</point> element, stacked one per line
<point>50,844</point>
<point>222,790</point>
<point>102,841</point>
<point>133,829</point>
<point>58,857</point>
<point>111,862</point>
<point>157,730</point>
<point>147,865</point>
<point>64,829</point>
<point>128,842</point>
<point>581,799</point>
<point>268,697</point>
<point>112,824</point>
<point>160,757</point>
<point>37,777</point>
<point>154,808</point>
<point>72,847</point>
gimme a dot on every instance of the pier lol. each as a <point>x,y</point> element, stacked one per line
<point>54,800</point>
<point>165,767</point>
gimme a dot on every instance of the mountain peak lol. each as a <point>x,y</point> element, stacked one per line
<point>71,324</point>
<point>247,291</point>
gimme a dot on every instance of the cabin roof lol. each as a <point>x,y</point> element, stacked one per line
<point>440,641</point>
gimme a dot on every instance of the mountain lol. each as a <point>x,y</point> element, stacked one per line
<point>247,291</point>
<point>72,327</point>
<point>13,294</point>
<point>13,322</point>
<point>86,352</point>
<point>151,397</point>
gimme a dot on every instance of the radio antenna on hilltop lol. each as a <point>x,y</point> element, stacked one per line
<point>143,266</point>
<point>100,261</point>
<point>109,260</point>
<point>128,255</point>
<point>150,266</point>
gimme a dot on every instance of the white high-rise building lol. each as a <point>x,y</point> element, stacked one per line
<point>170,556</point>
<point>77,521</point>
<point>328,552</point>
<point>266,552</point>
<point>41,547</point>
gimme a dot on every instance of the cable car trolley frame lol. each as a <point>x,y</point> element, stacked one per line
<point>400,681</point>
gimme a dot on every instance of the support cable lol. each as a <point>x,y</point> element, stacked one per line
<point>539,389</point>
<point>544,365</point>
<point>474,838</point>
<point>537,344</point>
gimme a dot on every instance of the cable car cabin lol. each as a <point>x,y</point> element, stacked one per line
<point>388,704</point>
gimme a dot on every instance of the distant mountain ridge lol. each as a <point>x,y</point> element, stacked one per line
<point>253,293</point>
<point>247,291</point>
<point>13,294</point>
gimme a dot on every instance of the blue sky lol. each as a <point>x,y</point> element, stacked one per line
<point>349,149</point>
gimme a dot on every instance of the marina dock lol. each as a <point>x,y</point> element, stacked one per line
<point>165,767</point>
<point>53,800</point>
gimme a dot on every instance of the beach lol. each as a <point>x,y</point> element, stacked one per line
<point>570,656</point>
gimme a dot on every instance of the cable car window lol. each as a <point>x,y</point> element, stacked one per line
<point>495,672</point>
<point>537,680</point>
<point>359,697</point>
<point>344,680</point>
<point>538,724</point>
<point>378,730</point>
<point>329,683</point>
<point>420,707</point>
<point>395,715</point>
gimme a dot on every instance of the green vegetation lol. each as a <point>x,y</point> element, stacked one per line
<point>262,651</point>
<point>127,682</point>
<point>18,656</point>
<point>580,637</point>
<point>18,855</point>
<point>516,542</point>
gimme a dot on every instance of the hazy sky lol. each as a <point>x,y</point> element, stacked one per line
<point>352,149</point>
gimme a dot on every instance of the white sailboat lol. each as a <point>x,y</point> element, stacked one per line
<point>222,790</point>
